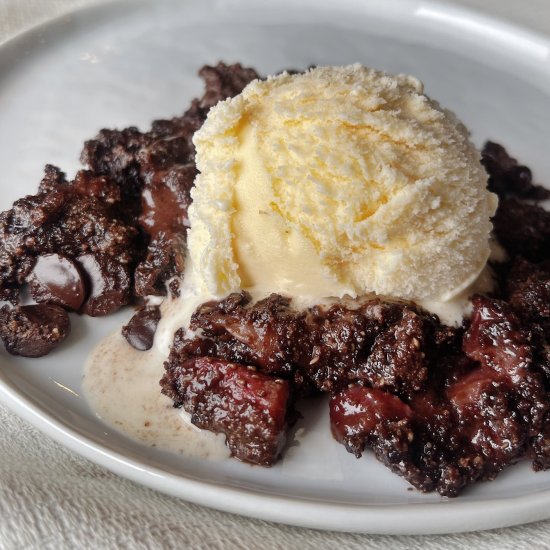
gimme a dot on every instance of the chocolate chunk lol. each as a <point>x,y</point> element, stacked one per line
<point>251,408</point>
<point>58,280</point>
<point>140,330</point>
<point>109,283</point>
<point>223,81</point>
<point>523,229</point>
<point>166,198</point>
<point>507,177</point>
<point>498,340</point>
<point>397,360</point>
<point>53,178</point>
<point>34,330</point>
<point>164,260</point>
<point>356,415</point>
<point>528,289</point>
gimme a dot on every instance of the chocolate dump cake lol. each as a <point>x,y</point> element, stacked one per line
<point>442,406</point>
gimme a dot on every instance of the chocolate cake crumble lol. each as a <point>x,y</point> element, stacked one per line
<point>441,406</point>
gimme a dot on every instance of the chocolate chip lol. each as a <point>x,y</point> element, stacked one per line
<point>57,279</point>
<point>34,330</point>
<point>140,330</point>
<point>109,284</point>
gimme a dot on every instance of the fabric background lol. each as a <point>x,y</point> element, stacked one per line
<point>50,498</point>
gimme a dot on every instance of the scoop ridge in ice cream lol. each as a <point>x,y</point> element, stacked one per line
<point>341,180</point>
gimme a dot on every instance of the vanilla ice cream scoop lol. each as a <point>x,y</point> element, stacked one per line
<point>341,180</point>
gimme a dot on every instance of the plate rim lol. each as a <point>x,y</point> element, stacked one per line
<point>455,515</point>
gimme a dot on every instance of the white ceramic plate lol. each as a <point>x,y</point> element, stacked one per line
<point>130,62</point>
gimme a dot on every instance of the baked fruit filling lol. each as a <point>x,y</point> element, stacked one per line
<point>441,406</point>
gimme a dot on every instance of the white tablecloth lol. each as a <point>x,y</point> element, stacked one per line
<point>52,498</point>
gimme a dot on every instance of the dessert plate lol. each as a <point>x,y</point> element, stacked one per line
<point>127,63</point>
